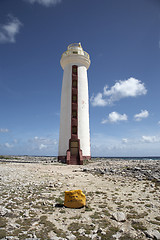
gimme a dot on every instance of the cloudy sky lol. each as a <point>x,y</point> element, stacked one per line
<point>123,40</point>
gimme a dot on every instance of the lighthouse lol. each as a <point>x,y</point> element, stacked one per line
<point>74,135</point>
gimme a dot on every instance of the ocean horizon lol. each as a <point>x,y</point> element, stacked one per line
<point>94,157</point>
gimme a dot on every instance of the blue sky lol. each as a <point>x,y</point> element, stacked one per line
<point>123,40</point>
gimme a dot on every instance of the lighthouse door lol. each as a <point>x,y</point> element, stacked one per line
<point>74,152</point>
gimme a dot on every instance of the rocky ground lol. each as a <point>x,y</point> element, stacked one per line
<point>122,199</point>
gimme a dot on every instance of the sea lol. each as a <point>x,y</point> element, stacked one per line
<point>128,158</point>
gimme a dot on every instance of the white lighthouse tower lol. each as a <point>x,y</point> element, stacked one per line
<point>74,136</point>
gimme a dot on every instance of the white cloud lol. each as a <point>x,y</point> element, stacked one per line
<point>150,139</point>
<point>114,117</point>
<point>8,145</point>
<point>122,89</point>
<point>98,100</point>
<point>4,130</point>
<point>9,30</point>
<point>124,140</point>
<point>141,115</point>
<point>15,141</point>
<point>43,143</point>
<point>46,3</point>
<point>44,140</point>
<point>42,146</point>
<point>159,123</point>
<point>114,146</point>
<point>36,138</point>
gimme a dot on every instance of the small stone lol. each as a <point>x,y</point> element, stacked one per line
<point>106,169</point>
<point>10,238</point>
<point>154,234</point>
<point>99,230</point>
<point>119,216</point>
<point>92,225</point>
<point>71,237</point>
<point>26,214</point>
<point>58,184</point>
<point>94,237</point>
<point>3,211</point>
<point>85,169</point>
<point>81,230</point>
<point>149,233</point>
<point>117,235</point>
<point>137,169</point>
<point>32,238</point>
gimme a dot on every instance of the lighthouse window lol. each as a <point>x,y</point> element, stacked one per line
<point>74,84</point>
<point>74,69</point>
<point>74,114</point>
<point>74,98</point>
<point>74,130</point>
<point>75,52</point>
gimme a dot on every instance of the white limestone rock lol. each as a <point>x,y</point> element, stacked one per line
<point>71,237</point>
<point>3,211</point>
<point>117,235</point>
<point>81,231</point>
<point>154,234</point>
<point>94,237</point>
<point>119,216</point>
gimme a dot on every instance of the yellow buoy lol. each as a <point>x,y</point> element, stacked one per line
<point>74,199</point>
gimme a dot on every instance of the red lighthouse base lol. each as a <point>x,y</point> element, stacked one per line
<point>73,160</point>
